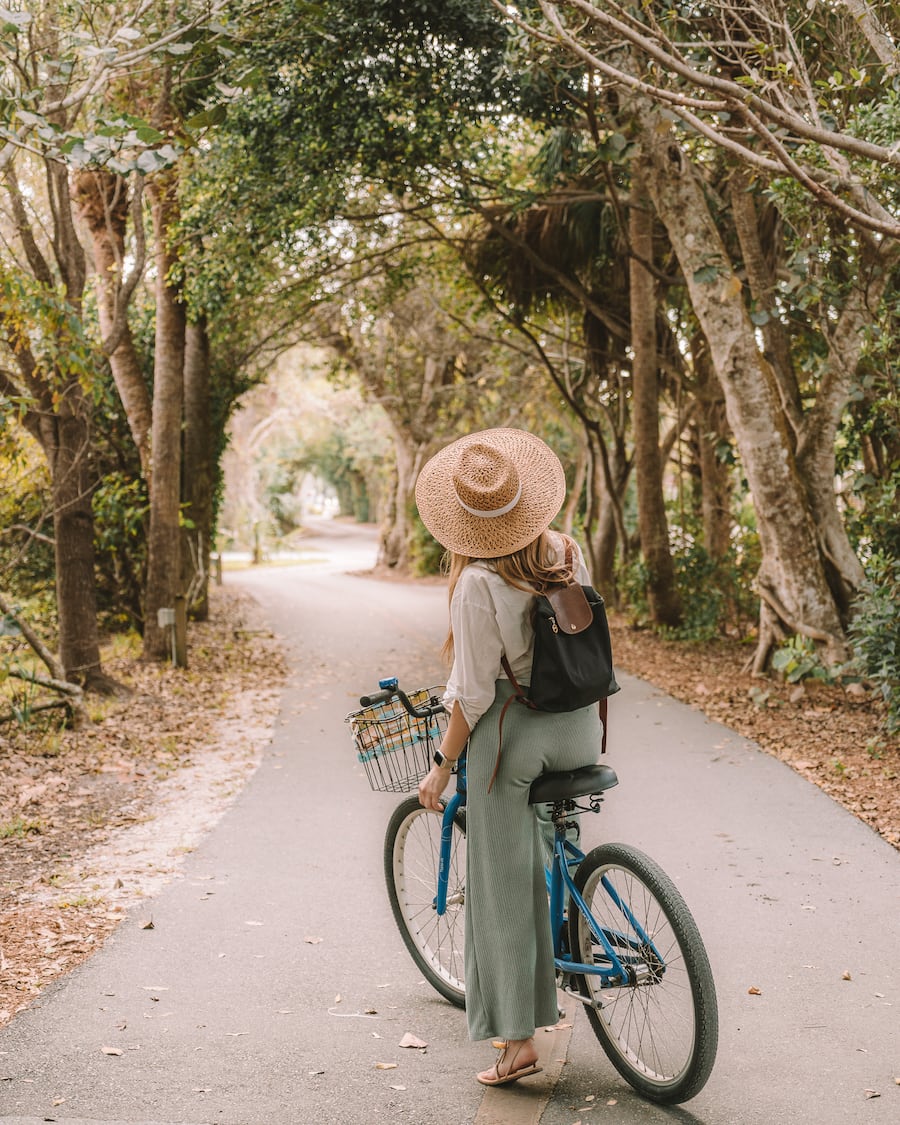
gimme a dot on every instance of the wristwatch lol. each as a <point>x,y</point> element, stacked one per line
<point>443,762</point>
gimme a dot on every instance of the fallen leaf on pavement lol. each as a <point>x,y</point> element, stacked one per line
<point>111,1050</point>
<point>872,1094</point>
<point>386,1066</point>
<point>410,1040</point>
<point>754,991</point>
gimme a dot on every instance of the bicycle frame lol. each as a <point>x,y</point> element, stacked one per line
<point>450,811</point>
<point>623,969</point>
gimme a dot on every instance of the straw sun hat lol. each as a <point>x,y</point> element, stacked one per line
<point>490,493</point>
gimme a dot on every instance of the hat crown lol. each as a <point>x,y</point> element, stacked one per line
<point>486,480</point>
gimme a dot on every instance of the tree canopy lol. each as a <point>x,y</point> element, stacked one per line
<point>665,238</point>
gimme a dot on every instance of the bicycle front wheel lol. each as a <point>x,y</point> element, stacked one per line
<point>435,941</point>
<point>660,1026</point>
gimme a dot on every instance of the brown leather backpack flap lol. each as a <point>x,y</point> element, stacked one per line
<point>572,609</point>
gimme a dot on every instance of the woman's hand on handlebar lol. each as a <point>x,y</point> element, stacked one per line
<point>435,781</point>
<point>432,786</point>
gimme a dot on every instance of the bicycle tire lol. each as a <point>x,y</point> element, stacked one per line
<point>660,1031</point>
<point>411,859</point>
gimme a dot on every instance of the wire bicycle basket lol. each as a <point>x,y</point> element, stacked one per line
<point>396,748</point>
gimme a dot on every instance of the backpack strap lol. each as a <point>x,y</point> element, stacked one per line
<point>518,692</point>
<point>517,696</point>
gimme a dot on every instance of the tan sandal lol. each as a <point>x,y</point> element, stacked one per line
<point>513,1074</point>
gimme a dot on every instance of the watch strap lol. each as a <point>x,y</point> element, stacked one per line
<point>443,762</point>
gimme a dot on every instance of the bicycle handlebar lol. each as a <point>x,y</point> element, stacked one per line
<point>389,693</point>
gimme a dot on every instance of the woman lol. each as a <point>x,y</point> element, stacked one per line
<point>489,498</point>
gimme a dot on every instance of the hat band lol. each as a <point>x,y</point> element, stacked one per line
<point>495,512</point>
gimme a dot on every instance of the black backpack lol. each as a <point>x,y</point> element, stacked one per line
<point>572,665</point>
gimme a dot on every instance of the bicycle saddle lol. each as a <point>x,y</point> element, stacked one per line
<point>558,786</point>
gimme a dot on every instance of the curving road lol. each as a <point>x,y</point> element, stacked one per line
<point>274,981</point>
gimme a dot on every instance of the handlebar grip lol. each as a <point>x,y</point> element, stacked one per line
<point>375,699</point>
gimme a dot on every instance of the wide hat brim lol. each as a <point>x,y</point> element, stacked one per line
<point>543,483</point>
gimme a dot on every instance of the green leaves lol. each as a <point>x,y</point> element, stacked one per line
<point>11,23</point>
<point>215,115</point>
<point>616,149</point>
<point>122,144</point>
<point>707,274</point>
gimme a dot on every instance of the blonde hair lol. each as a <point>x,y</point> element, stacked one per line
<point>531,568</point>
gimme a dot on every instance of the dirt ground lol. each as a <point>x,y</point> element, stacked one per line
<point>94,820</point>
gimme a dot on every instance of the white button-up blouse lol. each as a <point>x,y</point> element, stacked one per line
<point>489,618</point>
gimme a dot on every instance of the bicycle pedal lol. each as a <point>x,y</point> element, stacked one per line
<point>588,1001</point>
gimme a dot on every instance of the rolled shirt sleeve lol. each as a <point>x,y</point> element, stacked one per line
<point>477,647</point>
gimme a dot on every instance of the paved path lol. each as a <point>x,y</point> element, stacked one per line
<point>274,980</point>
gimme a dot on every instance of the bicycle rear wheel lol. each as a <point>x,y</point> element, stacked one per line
<point>660,1028</point>
<point>411,861</point>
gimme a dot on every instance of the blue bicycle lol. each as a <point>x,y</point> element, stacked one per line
<point>625,944</point>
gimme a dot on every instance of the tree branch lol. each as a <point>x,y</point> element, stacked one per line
<point>36,259</point>
<point>53,665</point>
<point>29,531</point>
<point>729,97</point>
<point>51,682</point>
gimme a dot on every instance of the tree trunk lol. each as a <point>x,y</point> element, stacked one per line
<point>792,580</point>
<point>198,469</point>
<point>163,566</point>
<point>762,283</point>
<point>607,477</point>
<point>56,411</point>
<point>103,200</point>
<point>815,453</point>
<point>573,499</point>
<point>715,474</point>
<point>665,604</point>
<point>410,457</point>
<point>73,527</point>
<point>816,431</point>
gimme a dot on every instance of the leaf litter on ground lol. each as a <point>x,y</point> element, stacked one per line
<point>95,819</point>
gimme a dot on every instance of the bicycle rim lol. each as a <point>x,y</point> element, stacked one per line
<point>660,1028</point>
<point>411,860</point>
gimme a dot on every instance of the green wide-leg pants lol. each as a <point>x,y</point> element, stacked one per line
<point>510,978</point>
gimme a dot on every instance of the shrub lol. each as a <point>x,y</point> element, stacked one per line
<point>798,660</point>
<point>716,594</point>
<point>875,632</point>
<point>425,553</point>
